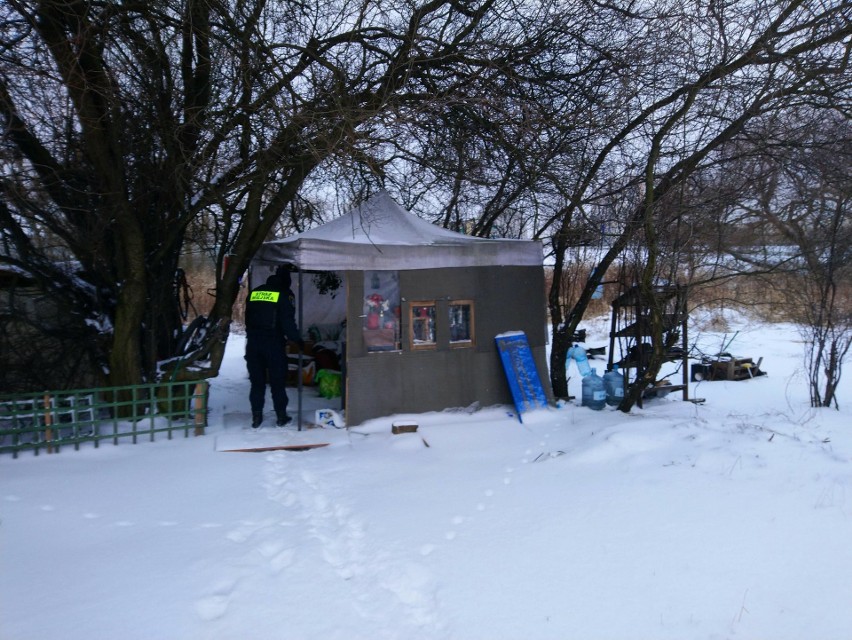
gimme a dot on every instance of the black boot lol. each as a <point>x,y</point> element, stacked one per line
<point>283,419</point>
<point>256,419</point>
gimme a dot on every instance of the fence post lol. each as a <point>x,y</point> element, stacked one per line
<point>135,405</point>
<point>198,404</point>
<point>48,420</point>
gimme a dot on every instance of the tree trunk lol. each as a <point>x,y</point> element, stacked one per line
<point>561,343</point>
<point>125,358</point>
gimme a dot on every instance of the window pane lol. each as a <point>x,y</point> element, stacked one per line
<point>381,310</point>
<point>461,322</point>
<point>422,324</point>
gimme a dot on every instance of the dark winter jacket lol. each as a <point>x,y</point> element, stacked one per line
<point>271,310</point>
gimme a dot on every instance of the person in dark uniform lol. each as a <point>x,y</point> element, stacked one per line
<point>270,321</point>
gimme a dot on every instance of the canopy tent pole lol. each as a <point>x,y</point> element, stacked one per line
<point>299,370</point>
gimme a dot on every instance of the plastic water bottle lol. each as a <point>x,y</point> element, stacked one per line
<point>579,355</point>
<point>614,385</point>
<point>594,392</point>
<point>569,356</point>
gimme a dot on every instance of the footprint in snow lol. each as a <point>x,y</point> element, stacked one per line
<point>247,529</point>
<point>414,587</point>
<point>270,548</point>
<point>284,496</point>
<point>282,560</point>
<point>216,604</point>
<point>309,478</point>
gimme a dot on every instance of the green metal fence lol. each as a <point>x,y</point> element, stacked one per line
<point>52,420</point>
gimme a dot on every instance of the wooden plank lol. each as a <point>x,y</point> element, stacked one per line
<point>282,447</point>
<point>404,426</point>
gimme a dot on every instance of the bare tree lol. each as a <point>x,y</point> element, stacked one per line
<point>126,125</point>
<point>683,100</point>
<point>131,128</point>
<point>800,195</point>
<point>596,137</point>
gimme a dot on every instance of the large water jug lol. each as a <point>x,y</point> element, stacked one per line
<point>594,393</point>
<point>614,385</point>
<point>578,354</point>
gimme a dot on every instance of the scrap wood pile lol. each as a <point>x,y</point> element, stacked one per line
<point>724,366</point>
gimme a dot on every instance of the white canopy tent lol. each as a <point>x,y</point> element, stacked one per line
<point>419,261</point>
<point>380,234</point>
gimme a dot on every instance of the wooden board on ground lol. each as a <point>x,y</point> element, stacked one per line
<point>281,447</point>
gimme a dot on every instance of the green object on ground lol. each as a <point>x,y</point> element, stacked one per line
<point>328,382</point>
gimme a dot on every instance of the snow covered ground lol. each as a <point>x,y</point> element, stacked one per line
<point>731,519</point>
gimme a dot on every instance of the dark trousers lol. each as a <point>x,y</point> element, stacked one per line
<point>266,359</point>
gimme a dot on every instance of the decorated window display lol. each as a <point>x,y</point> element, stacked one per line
<point>422,325</point>
<point>381,311</point>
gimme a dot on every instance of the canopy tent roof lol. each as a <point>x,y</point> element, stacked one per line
<point>381,235</point>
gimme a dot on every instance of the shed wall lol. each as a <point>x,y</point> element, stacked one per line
<point>385,383</point>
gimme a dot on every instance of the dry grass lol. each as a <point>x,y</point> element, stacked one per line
<point>201,281</point>
<point>773,298</point>
<point>766,298</point>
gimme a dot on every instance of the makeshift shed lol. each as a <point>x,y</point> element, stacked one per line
<point>39,339</point>
<point>411,309</point>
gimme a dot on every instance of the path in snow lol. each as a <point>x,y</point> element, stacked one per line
<point>315,528</point>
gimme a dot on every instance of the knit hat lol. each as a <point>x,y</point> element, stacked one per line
<point>283,272</point>
<point>276,282</point>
